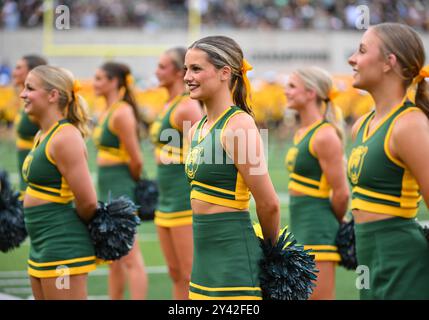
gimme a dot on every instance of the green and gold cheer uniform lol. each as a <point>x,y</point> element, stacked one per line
<point>113,180</point>
<point>395,250</point>
<point>60,241</point>
<point>312,220</point>
<point>226,250</point>
<point>174,206</point>
<point>25,131</point>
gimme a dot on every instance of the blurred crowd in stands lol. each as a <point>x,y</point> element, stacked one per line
<point>241,14</point>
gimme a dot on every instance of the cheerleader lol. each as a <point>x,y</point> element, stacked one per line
<point>318,187</point>
<point>56,172</point>
<point>387,167</point>
<point>173,216</point>
<point>119,165</point>
<point>224,166</point>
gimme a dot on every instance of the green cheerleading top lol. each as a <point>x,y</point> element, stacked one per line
<point>25,130</point>
<point>172,149</point>
<point>107,141</point>
<point>211,172</point>
<point>41,174</point>
<point>306,175</point>
<point>380,182</point>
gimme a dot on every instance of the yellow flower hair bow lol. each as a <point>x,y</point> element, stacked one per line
<point>423,73</point>
<point>129,80</point>
<point>411,91</point>
<point>76,86</point>
<point>333,93</point>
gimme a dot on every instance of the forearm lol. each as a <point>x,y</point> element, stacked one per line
<point>135,168</point>
<point>340,203</point>
<point>86,211</point>
<point>269,219</point>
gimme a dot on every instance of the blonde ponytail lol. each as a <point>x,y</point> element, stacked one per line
<point>320,81</point>
<point>78,115</point>
<point>334,116</point>
<point>72,105</point>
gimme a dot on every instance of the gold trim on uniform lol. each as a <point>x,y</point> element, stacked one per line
<point>403,202</point>
<point>113,154</point>
<point>236,204</point>
<point>198,296</point>
<point>297,140</point>
<point>323,190</point>
<point>383,209</point>
<point>197,183</point>
<point>24,144</point>
<point>173,219</point>
<point>200,138</point>
<point>324,256</point>
<point>48,156</point>
<point>197,286</point>
<point>57,263</point>
<point>56,273</point>
<point>310,143</point>
<point>47,197</point>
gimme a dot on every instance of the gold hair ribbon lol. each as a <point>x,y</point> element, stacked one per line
<point>411,91</point>
<point>423,73</point>
<point>129,80</point>
<point>246,67</point>
<point>333,93</point>
<point>76,86</point>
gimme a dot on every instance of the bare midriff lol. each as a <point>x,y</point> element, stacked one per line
<point>203,207</point>
<point>30,201</point>
<point>101,162</point>
<point>362,216</point>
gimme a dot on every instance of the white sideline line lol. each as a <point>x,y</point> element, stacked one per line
<point>14,282</point>
<point>98,297</point>
<point>26,290</point>
<point>4,296</point>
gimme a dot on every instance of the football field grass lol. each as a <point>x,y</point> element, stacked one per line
<point>14,280</point>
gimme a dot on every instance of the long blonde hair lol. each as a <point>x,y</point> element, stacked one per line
<point>319,80</point>
<point>72,105</point>
<point>405,43</point>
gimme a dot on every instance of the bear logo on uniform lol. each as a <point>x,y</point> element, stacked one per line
<point>355,163</point>
<point>193,161</point>
<point>291,159</point>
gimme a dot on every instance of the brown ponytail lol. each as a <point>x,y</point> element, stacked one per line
<point>422,97</point>
<point>405,43</point>
<point>223,51</point>
<point>239,95</point>
<point>122,72</point>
